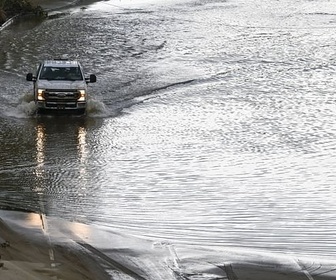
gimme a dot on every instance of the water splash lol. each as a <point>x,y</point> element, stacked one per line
<point>27,97</point>
<point>27,109</point>
<point>27,106</point>
<point>24,109</point>
<point>96,108</point>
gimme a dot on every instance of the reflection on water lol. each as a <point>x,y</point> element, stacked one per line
<point>57,161</point>
<point>43,140</point>
<point>40,152</point>
<point>82,141</point>
<point>231,143</point>
<point>38,188</point>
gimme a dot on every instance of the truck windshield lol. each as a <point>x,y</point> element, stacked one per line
<point>61,73</point>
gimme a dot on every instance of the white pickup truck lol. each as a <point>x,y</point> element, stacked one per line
<point>60,86</point>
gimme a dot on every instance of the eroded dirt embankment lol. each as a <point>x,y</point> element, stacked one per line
<point>10,8</point>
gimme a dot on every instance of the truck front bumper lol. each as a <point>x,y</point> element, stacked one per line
<point>47,106</point>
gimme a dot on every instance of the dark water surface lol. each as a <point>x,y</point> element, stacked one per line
<point>212,122</point>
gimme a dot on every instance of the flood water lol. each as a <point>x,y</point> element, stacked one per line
<point>212,122</point>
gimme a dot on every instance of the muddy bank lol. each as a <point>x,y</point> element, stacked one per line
<point>11,8</point>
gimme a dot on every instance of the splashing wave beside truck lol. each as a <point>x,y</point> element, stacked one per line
<point>60,86</point>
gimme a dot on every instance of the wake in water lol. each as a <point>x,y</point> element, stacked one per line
<point>27,108</point>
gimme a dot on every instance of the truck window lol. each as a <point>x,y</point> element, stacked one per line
<point>61,73</point>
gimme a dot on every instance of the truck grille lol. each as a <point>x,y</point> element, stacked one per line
<point>61,96</point>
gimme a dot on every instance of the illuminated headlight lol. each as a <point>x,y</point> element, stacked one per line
<point>40,94</point>
<point>82,95</point>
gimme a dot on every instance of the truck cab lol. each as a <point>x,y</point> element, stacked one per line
<point>60,86</point>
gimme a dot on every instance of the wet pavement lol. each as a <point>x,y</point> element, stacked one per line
<point>128,257</point>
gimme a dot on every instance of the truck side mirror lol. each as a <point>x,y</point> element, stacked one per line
<point>93,78</point>
<point>29,77</point>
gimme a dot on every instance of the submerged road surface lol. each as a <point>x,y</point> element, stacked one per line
<point>212,124</point>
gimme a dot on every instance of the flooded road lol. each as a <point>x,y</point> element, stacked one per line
<point>212,123</point>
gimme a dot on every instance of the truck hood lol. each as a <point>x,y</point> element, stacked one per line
<point>44,84</point>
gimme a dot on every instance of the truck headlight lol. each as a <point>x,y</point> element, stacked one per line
<point>40,94</point>
<point>82,95</point>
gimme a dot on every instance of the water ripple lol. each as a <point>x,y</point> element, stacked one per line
<point>211,123</point>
